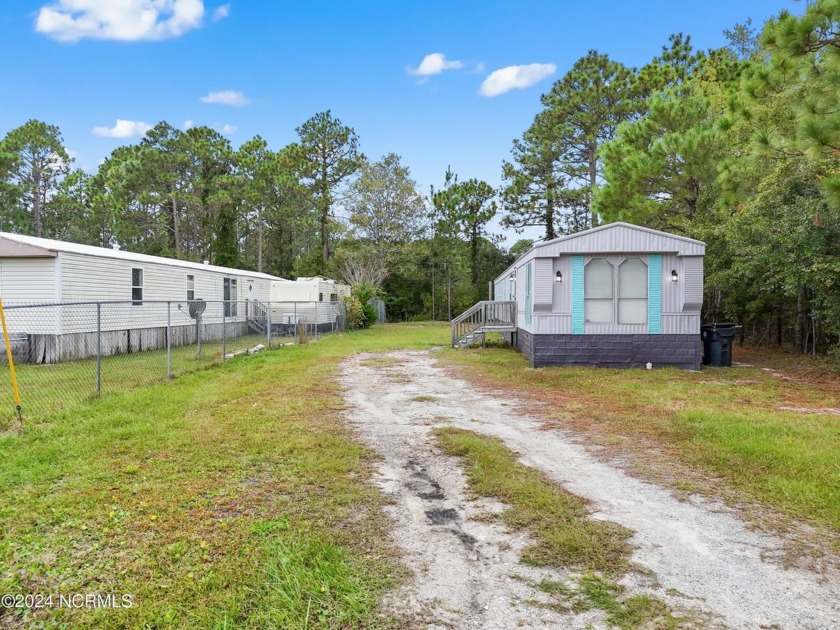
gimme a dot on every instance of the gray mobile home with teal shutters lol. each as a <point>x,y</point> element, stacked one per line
<point>618,295</point>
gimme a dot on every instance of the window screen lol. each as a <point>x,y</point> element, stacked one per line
<point>137,287</point>
<point>190,288</point>
<point>599,306</point>
<point>632,292</point>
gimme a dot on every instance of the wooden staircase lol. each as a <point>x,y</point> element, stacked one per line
<point>484,317</point>
<point>256,314</point>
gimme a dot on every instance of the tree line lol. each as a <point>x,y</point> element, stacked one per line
<point>318,206</point>
<point>736,146</point>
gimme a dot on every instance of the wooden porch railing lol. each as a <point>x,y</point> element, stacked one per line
<point>485,316</point>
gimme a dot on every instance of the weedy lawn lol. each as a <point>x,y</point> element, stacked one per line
<point>769,431</point>
<point>232,497</point>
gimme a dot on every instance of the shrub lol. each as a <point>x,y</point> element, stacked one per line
<point>355,313</point>
<point>363,292</point>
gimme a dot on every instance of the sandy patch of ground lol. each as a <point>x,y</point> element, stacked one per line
<point>699,553</point>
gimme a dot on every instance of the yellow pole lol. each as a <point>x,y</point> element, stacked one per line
<point>11,362</point>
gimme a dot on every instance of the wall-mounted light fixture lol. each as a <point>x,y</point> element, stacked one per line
<point>674,275</point>
<point>558,277</point>
<point>512,276</point>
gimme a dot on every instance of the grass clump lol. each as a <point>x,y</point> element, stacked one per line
<point>591,591</point>
<point>557,520</point>
<point>310,580</point>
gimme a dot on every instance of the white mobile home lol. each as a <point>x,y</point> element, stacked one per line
<point>617,295</point>
<point>44,271</point>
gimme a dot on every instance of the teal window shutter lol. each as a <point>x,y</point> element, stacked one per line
<point>528,308</point>
<point>577,295</point>
<point>655,294</point>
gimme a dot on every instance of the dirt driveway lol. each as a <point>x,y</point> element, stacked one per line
<point>694,555</point>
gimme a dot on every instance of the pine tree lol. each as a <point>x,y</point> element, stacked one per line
<point>585,108</point>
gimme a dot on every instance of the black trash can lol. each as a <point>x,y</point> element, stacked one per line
<point>717,344</point>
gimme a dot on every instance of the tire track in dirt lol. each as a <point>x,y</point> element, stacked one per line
<point>466,569</point>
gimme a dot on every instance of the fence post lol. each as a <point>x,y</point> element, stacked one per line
<point>98,348</point>
<point>268,324</point>
<point>224,329</point>
<point>169,340</point>
<point>296,327</point>
<point>317,321</point>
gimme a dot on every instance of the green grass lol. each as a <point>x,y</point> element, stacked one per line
<point>591,591</point>
<point>232,497</point>
<point>724,423</point>
<point>50,388</point>
<point>564,535</point>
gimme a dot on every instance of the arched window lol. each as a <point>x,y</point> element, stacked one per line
<point>633,292</point>
<point>598,292</point>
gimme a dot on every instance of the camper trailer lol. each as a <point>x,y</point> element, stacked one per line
<point>315,302</point>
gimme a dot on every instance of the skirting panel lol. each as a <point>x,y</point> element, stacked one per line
<point>615,351</point>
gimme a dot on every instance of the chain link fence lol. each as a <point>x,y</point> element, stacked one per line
<point>67,353</point>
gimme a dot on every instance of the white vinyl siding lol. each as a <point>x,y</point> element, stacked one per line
<point>95,278</point>
<point>27,280</point>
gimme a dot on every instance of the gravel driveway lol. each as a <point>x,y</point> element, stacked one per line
<point>696,555</point>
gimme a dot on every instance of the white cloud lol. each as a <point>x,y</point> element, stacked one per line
<point>515,78</point>
<point>188,124</point>
<point>221,12</point>
<point>122,20</point>
<point>123,129</point>
<point>228,129</point>
<point>434,63</point>
<point>226,97</point>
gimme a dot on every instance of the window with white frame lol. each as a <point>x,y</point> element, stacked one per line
<point>598,292</point>
<point>615,294</point>
<point>190,288</point>
<point>632,292</point>
<point>137,287</point>
<point>229,296</point>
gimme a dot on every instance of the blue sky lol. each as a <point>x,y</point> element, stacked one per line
<point>283,61</point>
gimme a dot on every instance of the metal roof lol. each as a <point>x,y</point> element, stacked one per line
<point>50,246</point>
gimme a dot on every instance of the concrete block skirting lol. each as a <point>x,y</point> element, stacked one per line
<point>615,351</point>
